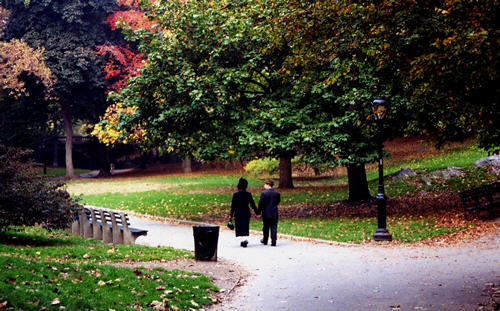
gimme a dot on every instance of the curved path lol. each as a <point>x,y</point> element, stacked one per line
<point>316,276</point>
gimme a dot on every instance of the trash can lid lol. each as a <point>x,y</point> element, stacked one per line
<point>205,226</point>
<point>205,229</point>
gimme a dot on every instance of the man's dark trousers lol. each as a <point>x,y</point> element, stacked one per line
<point>270,223</point>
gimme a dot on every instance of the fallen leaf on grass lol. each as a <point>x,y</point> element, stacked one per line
<point>55,301</point>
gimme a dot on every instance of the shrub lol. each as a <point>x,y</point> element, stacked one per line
<point>265,166</point>
<point>27,199</point>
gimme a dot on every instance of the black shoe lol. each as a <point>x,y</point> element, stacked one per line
<point>244,243</point>
<point>262,241</point>
<point>273,243</point>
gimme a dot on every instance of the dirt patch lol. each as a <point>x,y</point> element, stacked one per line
<point>226,275</point>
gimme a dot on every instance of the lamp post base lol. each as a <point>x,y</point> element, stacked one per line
<point>382,235</point>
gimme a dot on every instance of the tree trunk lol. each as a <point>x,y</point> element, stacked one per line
<point>358,185</point>
<point>68,130</point>
<point>317,171</point>
<point>104,163</point>
<point>55,160</point>
<point>286,181</point>
<point>186,165</point>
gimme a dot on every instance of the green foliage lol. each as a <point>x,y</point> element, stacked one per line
<point>213,85</point>
<point>262,167</point>
<point>179,104</point>
<point>26,199</point>
<point>437,61</point>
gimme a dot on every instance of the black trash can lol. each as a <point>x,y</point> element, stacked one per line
<point>205,242</point>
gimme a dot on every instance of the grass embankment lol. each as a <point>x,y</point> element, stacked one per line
<point>44,270</point>
<point>59,172</point>
<point>361,229</point>
<point>207,197</point>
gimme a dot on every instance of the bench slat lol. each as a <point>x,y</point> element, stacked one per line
<point>109,226</point>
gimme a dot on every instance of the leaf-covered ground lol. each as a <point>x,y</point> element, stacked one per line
<point>52,270</point>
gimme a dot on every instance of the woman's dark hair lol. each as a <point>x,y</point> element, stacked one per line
<point>242,184</point>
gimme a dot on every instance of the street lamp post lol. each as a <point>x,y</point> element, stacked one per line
<point>379,108</point>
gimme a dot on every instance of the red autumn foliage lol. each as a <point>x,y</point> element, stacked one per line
<point>122,64</point>
<point>133,18</point>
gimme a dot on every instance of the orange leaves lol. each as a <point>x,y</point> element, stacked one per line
<point>16,57</point>
<point>129,3</point>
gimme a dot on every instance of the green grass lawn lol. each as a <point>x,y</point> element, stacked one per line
<point>164,204</point>
<point>358,230</point>
<point>194,206</point>
<point>208,196</point>
<point>460,157</point>
<point>36,285</point>
<point>59,172</point>
<point>54,270</point>
<point>40,244</point>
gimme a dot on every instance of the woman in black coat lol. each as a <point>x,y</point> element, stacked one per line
<point>241,211</point>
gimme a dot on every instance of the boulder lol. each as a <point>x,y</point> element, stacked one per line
<point>448,173</point>
<point>493,161</point>
<point>402,174</point>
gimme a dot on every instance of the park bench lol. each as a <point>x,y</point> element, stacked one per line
<point>484,198</point>
<point>108,226</point>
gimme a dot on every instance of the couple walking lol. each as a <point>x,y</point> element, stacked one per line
<point>268,207</point>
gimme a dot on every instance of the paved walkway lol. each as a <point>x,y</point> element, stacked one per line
<point>311,276</point>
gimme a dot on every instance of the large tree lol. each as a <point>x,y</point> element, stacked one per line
<point>436,62</point>
<point>69,31</point>
<point>212,86</point>
<point>439,58</point>
<point>25,82</point>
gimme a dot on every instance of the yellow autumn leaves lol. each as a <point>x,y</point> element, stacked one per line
<point>108,130</point>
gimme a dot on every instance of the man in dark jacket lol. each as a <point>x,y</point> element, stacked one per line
<point>268,206</point>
